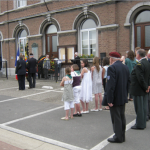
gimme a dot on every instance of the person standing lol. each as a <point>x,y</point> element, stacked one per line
<point>21,72</point>
<point>86,87</point>
<point>76,60</point>
<point>148,110</point>
<point>104,75</point>
<point>46,66</point>
<point>97,83</point>
<point>116,93</point>
<point>32,63</point>
<point>139,88</point>
<point>130,61</point>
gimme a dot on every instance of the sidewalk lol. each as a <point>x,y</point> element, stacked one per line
<point>5,146</point>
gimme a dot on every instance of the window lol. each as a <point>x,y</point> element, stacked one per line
<point>51,41</point>
<point>142,30</point>
<point>88,37</point>
<point>21,3</point>
<point>66,53</point>
<point>22,38</point>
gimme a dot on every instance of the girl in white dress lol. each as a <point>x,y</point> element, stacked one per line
<point>86,86</point>
<point>97,83</point>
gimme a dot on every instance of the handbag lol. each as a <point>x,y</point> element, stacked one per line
<point>19,66</point>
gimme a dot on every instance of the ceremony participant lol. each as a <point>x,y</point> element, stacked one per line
<point>104,75</point>
<point>97,83</point>
<point>76,60</point>
<point>75,73</point>
<point>130,61</point>
<point>21,71</point>
<point>67,94</point>
<point>140,85</point>
<point>116,93</point>
<point>46,66</point>
<point>86,86</point>
<point>32,63</point>
<point>148,112</point>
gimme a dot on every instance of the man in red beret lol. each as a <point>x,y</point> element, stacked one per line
<point>116,95</point>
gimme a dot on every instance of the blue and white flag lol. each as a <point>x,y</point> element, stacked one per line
<point>17,56</point>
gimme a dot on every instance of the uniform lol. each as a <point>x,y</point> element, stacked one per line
<point>140,80</point>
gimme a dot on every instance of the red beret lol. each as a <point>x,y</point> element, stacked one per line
<point>114,54</point>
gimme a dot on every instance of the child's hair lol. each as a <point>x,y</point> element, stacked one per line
<point>68,70</point>
<point>96,63</point>
<point>106,61</point>
<point>86,64</point>
<point>75,67</point>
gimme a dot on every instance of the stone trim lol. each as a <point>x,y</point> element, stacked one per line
<point>32,36</point>
<point>128,17</point>
<point>67,31</point>
<point>9,39</point>
<point>111,26</point>
<point>51,12</point>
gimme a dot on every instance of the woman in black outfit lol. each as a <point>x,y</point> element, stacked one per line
<point>21,71</point>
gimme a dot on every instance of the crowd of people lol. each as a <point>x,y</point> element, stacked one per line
<point>123,79</point>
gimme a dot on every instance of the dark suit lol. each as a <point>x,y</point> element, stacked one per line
<point>116,92</point>
<point>32,63</point>
<point>77,61</point>
<point>21,71</point>
<point>140,80</point>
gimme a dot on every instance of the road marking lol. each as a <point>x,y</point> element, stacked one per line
<point>31,116</point>
<point>11,99</point>
<point>41,138</point>
<point>8,88</point>
<point>104,143</point>
<point>47,87</point>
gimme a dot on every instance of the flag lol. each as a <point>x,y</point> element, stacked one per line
<point>17,58</point>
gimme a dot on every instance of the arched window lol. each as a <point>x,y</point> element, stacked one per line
<point>142,30</point>
<point>22,38</point>
<point>88,37</point>
<point>51,41</point>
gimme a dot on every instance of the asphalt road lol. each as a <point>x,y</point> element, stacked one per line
<point>36,113</point>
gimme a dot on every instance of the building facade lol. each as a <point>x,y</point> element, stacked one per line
<point>65,26</point>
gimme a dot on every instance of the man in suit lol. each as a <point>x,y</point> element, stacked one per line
<point>140,85</point>
<point>116,95</point>
<point>76,60</point>
<point>32,63</point>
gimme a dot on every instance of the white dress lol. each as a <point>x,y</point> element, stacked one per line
<point>86,87</point>
<point>97,81</point>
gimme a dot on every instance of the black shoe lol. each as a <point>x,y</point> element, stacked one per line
<point>75,115</point>
<point>112,140</point>
<point>123,139</point>
<point>79,115</point>
<point>135,128</point>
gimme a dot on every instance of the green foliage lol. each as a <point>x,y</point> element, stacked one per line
<point>86,56</point>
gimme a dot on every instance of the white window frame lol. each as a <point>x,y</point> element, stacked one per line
<point>25,3</point>
<point>87,30</point>
<point>24,44</point>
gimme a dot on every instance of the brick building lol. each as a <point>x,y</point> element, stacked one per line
<point>65,26</point>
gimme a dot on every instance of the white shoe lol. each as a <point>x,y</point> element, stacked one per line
<point>94,110</point>
<point>100,109</point>
<point>83,112</point>
<point>87,112</point>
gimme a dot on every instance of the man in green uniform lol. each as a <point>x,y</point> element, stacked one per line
<point>139,88</point>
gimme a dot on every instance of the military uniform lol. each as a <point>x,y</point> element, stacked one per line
<point>140,80</point>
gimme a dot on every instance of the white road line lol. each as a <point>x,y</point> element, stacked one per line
<point>31,116</point>
<point>104,143</point>
<point>11,99</point>
<point>41,138</point>
<point>8,88</point>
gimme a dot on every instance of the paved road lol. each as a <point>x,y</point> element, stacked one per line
<point>34,115</point>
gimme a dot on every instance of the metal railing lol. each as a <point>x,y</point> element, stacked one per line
<point>57,68</point>
<point>3,69</point>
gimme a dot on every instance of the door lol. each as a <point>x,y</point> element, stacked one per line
<point>51,45</point>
